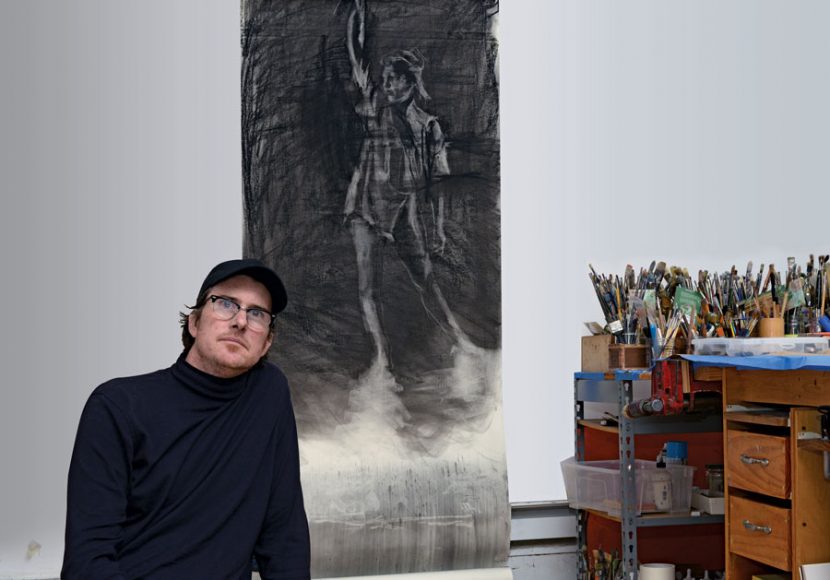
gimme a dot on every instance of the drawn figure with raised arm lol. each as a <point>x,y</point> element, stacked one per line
<point>402,157</point>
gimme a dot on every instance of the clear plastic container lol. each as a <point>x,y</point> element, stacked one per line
<point>711,346</point>
<point>597,485</point>
<point>778,345</point>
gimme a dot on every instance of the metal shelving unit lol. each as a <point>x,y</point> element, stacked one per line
<point>618,388</point>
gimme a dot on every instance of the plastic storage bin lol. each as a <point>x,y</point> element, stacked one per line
<point>761,346</point>
<point>711,346</point>
<point>597,485</point>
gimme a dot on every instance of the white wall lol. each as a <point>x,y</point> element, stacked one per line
<point>120,173</point>
<point>689,132</point>
<point>692,132</point>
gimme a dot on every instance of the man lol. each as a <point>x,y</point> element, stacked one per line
<point>189,471</point>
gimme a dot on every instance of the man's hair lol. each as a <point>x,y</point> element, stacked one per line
<point>196,310</point>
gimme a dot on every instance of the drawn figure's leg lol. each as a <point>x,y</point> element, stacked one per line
<point>364,242</point>
<point>413,252</point>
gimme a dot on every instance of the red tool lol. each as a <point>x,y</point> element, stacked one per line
<point>673,390</point>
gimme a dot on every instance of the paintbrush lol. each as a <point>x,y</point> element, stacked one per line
<point>620,306</point>
<point>767,277</point>
<point>602,304</point>
<point>774,295</point>
<point>629,277</point>
<point>660,272</point>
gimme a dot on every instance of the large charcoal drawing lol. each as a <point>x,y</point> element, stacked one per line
<point>371,183</point>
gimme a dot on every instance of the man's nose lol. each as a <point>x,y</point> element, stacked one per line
<point>241,318</point>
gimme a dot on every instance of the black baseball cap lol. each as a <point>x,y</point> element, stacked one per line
<point>256,270</point>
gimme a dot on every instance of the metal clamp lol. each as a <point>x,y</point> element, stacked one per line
<point>755,528</point>
<point>750,460</point>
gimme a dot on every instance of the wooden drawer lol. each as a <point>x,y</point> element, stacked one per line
<point>760,532</point>
<point>758,462</point>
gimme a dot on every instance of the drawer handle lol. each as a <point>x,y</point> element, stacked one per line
<point>750,460</point>
<point>755,528</point>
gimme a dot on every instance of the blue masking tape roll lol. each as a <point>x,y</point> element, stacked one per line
<point>676,452</point>
<point>824,323</point>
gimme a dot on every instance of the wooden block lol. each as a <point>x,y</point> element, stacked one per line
<point>628,356</point>
<point>708,373</point>
<point>684,376</point>
<point>595,353</point>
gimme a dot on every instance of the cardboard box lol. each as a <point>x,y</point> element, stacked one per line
<point>819,571</point>
<point>706,504</point>
<point>595,353</point>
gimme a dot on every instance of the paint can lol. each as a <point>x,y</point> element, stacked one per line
<point>656,571</point>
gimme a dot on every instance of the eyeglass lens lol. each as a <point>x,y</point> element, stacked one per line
<point>226,309</point>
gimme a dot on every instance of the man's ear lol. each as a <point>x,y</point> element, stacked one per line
<point>192,323</point>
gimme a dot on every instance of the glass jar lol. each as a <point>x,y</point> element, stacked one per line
<point>714,474</point>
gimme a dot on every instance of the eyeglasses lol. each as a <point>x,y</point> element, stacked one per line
<point>259,320</point>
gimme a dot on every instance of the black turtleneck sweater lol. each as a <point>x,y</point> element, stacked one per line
<point>179,474</point>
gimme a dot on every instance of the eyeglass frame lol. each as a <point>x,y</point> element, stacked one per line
<point>214,297</point>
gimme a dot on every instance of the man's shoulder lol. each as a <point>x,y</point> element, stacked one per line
<point>128,386</point>
<point>272,376</point>
<point>273,371</point>
<point>272,382</point>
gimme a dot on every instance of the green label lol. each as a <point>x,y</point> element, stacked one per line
<point>687,301</point>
